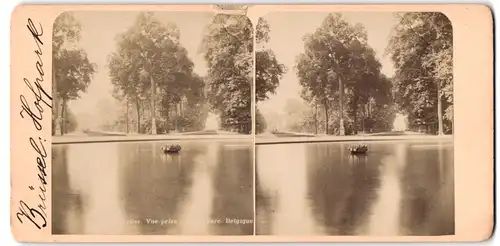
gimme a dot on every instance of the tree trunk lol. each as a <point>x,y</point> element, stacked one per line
<point>355,109</point>
<point>126,115</point>
<point>341,123</point>
<point>440,109</point>
<point>364,115</point>
<point>63,117</point>
<point>181,114</point>
<point>315,118</point>
<point>181,107</point>
<point>177,117</point>
<point>137,106</point>
<point>153,113</point>
<point>326,116</point>
<point>167,115</point>
<point>55,111</point>
<point>451,126</point>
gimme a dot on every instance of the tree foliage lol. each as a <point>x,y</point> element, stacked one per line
<point>149,53</point>
<point>72,70</point>
<point>337,59</point>
<point>74,73</point>
<point>268,71</point>
<point>227,47</point>
<point>422,51</point>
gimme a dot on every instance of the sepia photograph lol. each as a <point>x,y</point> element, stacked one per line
<point>354,124</point>
<point>152,124</point>
<point>251,123</point>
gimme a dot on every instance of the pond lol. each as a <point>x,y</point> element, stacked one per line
<point>133,188</point>
<point>398,188</point>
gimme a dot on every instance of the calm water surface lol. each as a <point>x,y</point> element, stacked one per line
<point>399,188</point>
<point>133,188</point>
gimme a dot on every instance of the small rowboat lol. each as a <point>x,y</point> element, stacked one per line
<point>358,150</point>
<point>172,149</point>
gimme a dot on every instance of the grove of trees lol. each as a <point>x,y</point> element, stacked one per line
<point>151,72</point>
<point>153,78</point>
<point>345,92</point>
<point>422,52</point>
<point>340,77</point>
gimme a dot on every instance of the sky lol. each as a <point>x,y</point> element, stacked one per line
<point>98,39</point>
<point>287,30</point>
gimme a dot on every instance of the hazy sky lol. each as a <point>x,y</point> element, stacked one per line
<point>287,30</point>
<point>99,32</point>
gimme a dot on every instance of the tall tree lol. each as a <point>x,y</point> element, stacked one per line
<point>123,71</point>
<point>72,71</point>
<point>338,64</point>
<point>191,111</point>
<point>152,69</point>
<point>316,88</point>
<point>227,47</point>
<point>422,51</point>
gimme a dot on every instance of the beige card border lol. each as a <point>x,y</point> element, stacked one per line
<point>473,90</point>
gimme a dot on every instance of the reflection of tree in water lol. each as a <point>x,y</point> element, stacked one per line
<point>263,207</point>
<point>341,187</point>
<point>365,181</point>
<point>155,184</point>
<point>233,189</point>
<point>67,205</point>
<point>427,204</point>
<point>446,196</point>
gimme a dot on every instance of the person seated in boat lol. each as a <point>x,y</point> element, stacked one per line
<point>358,149</point>
<point>171,148</point>
<point>175,147</point>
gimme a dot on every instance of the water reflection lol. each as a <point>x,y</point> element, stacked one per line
<point>288,197</point>
<point>399,188</point>
<point>133,188</point>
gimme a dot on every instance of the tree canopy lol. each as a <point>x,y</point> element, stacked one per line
<point>422,51</point>
<point>150,65</point>
<point>227,47</point>
<point>339,70</point>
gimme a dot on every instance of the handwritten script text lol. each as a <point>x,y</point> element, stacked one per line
<point>34,111</point>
